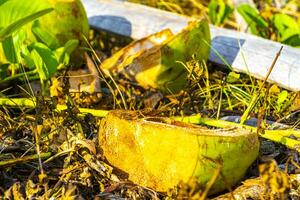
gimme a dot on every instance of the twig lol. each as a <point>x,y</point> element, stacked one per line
<point>257,94</point>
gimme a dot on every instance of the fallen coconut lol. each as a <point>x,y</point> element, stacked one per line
<point>159,152</point>
<point>157,61</point>
<point>67,21</point>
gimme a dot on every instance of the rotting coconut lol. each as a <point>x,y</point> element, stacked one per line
<point>159,152</point>
<point>157,60</point>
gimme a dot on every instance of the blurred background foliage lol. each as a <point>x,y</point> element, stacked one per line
<point>278,20</point>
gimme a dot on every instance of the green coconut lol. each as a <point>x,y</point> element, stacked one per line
<point>67,21</point>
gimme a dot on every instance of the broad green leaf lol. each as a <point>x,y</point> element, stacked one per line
<point>20,38</point>
<point>63,54</point>
<point>12,46</point>
<point>2,2</point>
<point>45,60</point>
<point>293,40</point>
<point>218,11</point>
<point>284,22</point>
<point>29,62</point>
<point>16,13</point>
<point>70,46</point>
<point>59,53</point>
<point>3,70</point>
<point>9,50</point>
<point>257,24</point>
<point>40,66</point>
<point>288,29</point>
<point>44,36</point>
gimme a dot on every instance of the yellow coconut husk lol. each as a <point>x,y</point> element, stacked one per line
<point>157,61</point>
<point>158,152</point>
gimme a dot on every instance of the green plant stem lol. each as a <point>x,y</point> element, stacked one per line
<point>24,159</point>
<point>20,75</point>
<point>30,103</point>
<point>197,119</point>
<point>280,136</point>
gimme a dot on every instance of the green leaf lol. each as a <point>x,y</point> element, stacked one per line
<point>257,24</point>
<point>63,54</point>
<point>44,36</point>
<point>282,97</point>
<point>285,23</point>
<point>9,50</point>
<point>218,11</point>
<point>16,13</point>
<point>26,55</point>
<point>70,46</point>
<point>293,40</point>
<point>12,46</point>
<point>288,29</point>
<point>40,66</point>
<point>3,70</point>
<point>44,60</point>
<point>2,2</point>
<point>232,77</point>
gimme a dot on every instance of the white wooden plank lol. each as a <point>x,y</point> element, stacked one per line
<point>244,52</point>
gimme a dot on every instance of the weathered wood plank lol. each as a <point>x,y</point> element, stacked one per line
<point>244,52</point>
